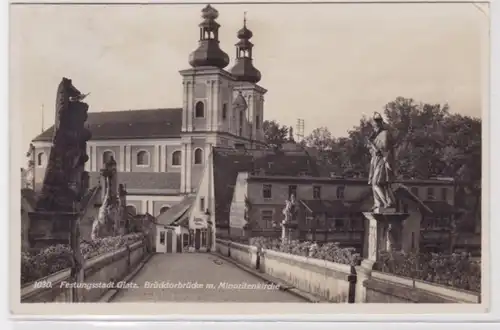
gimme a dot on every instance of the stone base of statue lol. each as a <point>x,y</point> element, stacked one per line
<point>384,232</point>
<point>51,228</point>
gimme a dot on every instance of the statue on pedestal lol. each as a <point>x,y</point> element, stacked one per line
<point>288,212</point>
<point>382,163</point>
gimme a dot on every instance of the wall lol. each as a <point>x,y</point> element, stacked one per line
<point>109,267</point>
<point>323,278</point>
<point>387,288</point>
<point>335,282</point>
<point>237,211</point>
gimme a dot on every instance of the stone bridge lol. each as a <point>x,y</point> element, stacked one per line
<point>205,277</point>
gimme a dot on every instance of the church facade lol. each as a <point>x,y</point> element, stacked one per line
<point>161,154</point>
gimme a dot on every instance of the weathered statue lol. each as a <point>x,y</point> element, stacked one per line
<point>289,209</point>
<point>63,184</point>
<point>110,213</point>
<point>382,164</point>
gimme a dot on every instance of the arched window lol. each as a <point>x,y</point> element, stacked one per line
<point>200,109</point>
<point>131,209</point>
<point>143,158</point>
<point>164,209</point>
<point>198,156</point>
<point>107,155</point>
<point>176,158</point>
<point>40,159</point>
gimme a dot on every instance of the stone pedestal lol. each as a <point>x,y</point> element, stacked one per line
<point>50,228</point>
<point>384,232</point>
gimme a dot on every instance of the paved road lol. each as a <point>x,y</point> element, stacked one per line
<point>200,270</point>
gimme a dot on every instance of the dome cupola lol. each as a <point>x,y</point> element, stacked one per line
<point>208,52</point>
<point>244,70</point>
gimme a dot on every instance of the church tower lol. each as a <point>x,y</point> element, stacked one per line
<point>220,108</point>
<point>207,96</point>
<point>249,97</point>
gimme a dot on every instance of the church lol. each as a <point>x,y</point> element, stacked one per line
<point>161,153</point>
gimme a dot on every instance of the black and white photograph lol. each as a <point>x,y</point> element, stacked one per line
<point>249,153</point>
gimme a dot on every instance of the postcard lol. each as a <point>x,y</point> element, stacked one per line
<point>250,158</point>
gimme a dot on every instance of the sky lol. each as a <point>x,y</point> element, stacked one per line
<point>328,64</point>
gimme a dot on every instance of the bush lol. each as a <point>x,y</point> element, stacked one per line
<point>58,257</point>
<point>328,251</point>
<point>457,270</point>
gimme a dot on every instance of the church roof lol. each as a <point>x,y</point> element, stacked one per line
<point>227,163</point>
<point>145,182</point>
<point>130,124</point>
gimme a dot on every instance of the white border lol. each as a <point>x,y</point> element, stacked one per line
<point>494,228</point>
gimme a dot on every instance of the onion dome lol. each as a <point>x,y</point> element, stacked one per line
<point>208,52</point>
<point>244,70</point>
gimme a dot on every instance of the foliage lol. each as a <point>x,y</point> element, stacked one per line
<point>328,251</point>
<point>457,270</point>
<point>430,141</point>
<point>58,257</point>
<point>274,134</point>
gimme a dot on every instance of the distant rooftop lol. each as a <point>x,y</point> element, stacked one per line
<point>129,124</point>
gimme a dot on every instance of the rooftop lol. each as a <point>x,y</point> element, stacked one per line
<point>129,124</point>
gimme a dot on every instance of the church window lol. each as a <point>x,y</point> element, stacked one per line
<point>131,209</point>
<point>107,156</point>
<point>40,159</point>
<point>143,158</point>
<point>200,109</point>
<point>257,122</point>
<point>176,158</point>
<point>164,209</point>
<point>224,111</point>
<point>198,156</point>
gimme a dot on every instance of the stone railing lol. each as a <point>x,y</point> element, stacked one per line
<point>336,282</point>
<point>388,288</point>
<point>101,274</point>
<point>328,280</point>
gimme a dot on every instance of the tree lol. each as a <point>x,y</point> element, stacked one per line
<point>274,134</point>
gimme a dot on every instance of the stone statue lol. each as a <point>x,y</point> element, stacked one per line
<point>110,213</point>
<point>289,209</point>
<point>63,185</point>
<point>382,164</point>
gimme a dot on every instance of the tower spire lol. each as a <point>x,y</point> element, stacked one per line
<point>208,52</point>
<point>244,70</point>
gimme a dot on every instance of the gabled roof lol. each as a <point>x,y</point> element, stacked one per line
<point>129,124</point>
<point>145,181</point>
<point>227,163</point>
<point>177,211</point>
